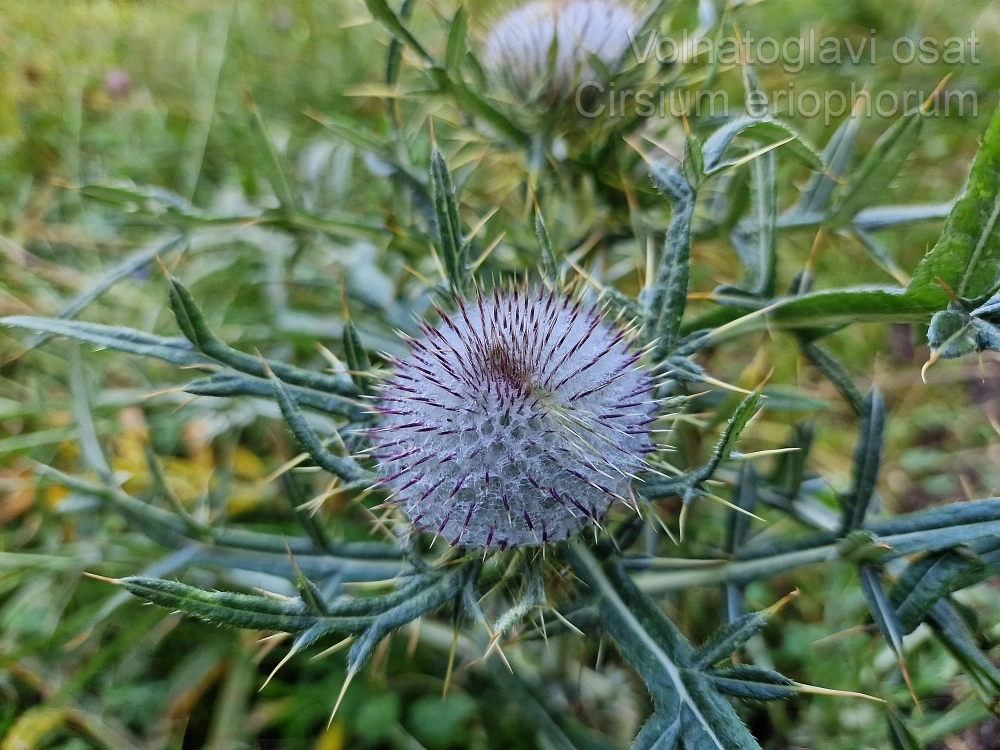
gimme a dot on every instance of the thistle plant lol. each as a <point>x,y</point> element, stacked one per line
<point>512,415</point>
<point>542,50</point>
<point>516,421</point>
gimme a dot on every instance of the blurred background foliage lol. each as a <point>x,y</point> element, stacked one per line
<point>229,105</point>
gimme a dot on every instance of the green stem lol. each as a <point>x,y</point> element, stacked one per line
<point>742,571</point>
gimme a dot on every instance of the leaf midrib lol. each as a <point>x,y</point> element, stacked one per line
<point>609,593</point>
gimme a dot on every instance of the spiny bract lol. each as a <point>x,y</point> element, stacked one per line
<point>515,421</point>
<point>518,47</point>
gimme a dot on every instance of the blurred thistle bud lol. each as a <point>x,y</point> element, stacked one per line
<point>541,51</point>
<point>117,83</point>
<point>516,421</point>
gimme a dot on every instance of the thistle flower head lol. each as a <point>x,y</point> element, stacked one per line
<point>516,421</point>
<point>518,48</point>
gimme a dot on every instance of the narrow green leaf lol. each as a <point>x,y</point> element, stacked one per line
<point>730,638</point>
<point>346,469</point>
<point>834,372</point>
<point>277,172</point>
<point>457,41</point>
<point>867,458</point>
<point>899,734</point>
<point>836,156</point>
<point>748,682</point>
<point>762,131</point>
<point>382,13</point>
<point>883,613</point>
<point>667,299</point>
<point>550,267</point>
<point>357,356</point>
<point>755,239</point>
<point>744,498</point>
<point>394,56</point>
<point>925,581</point>
<point>177,351</point>
<point>868,183</point>
<point>90,445</point>
<point>448,223</point>
<point>954,634</point>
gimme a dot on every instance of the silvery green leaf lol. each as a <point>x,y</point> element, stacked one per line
<point>878,169</point>
<point>749,682</point>
<point>345,468</point>
<point>754,238</point>
<point>177,351</point>
<point>762,131</point>
<point>836,156</point>
<point>883,613</point>
<point>454,250</point>
<point>835,373</point>
<point>933,576</point>
<point>867,458</point>
<point>667,297</point>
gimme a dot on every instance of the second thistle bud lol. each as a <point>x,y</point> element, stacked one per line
<point>540,51</point>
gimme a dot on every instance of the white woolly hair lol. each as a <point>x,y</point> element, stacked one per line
<point>516,421</point>
<point>518,46</point>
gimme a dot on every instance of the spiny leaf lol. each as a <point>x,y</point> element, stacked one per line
<point>760,130</point>
<point>881,609</point>
<point>346,469</point>
<point>382,13</point>
<point>448,223</point>
<point>748,682</point>
<point>238,610</point>
<point>835,373</point>
<point>867,458</point>
<point>457,41</point>
<point>550,268</point>
<point>658,651</point>
<point>880,166</point>
<point>420,603</point>
<point>177,351</point>
<point>228,384</point>
<point>196,328</point>
<point>755,239</point>
<point>730,638</point>
<point>836,156</point>
<point>926,580</point>
<point>667,299</point>
<point>966,255</point>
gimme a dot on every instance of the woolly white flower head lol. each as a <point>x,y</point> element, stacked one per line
<point>516,421</point>
<point>518,47</point>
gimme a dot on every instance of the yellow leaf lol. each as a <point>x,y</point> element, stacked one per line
<point>31,728</point>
